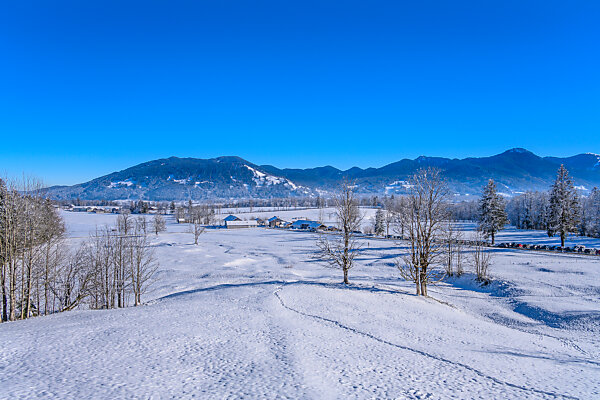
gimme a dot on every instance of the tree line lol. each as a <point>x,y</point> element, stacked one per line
<point>422,222</point>
<point>559,211</point>
<point>42,273</point>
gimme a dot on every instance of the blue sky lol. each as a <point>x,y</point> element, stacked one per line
<point>89,87</point>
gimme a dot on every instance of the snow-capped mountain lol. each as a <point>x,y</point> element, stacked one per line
<point>515,171</point>
<point>185,178</point>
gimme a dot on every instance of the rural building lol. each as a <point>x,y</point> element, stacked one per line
<point>231,218</point>
<point>241,224</point>
<point>307,224</point>
<point>275,222</point>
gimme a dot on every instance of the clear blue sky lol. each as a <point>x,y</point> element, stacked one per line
<point>89,87</point>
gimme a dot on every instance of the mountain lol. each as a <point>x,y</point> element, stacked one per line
<point>184,178</point>
<point>515,171</point>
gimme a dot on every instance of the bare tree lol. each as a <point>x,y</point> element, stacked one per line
<point>389,214</point>
<point>340,251</point>
<point>398,215</point>
<point>141,224</point>
<point>125,222</point>
<point>159,224</point>
<point>5,246</point>
<point>481,258</point>
<point>424,222</point>
<point>71,287</point>
<point>459,254</point>
<point>196,227</point>
<point>142,268</point>
<point>453,258</point>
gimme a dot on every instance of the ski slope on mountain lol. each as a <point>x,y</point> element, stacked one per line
<point>251,314</point>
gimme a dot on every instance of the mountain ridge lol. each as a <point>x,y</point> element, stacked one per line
<point>228,177</point>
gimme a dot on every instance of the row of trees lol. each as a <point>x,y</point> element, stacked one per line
<point>33,261</point>
<point>42,273</point>
<point>118,264</point>
<point>535,210</point>
<point>421,219</point>
<point>560,211</point>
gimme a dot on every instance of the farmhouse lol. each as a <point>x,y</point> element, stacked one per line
<point>231,217</point>
<point>307,224</point>
<point>275,222</point>
<point>241,224</point>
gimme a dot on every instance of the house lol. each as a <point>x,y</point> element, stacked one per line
<point>231,218</point>
<point>259,221</point>
<point>307,224</point>
<point>241,224</point>
<point>275,222</point>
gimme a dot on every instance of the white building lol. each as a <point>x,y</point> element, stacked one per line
<point>241,224</point>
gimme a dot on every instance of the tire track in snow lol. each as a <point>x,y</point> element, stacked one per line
<point>419,352</point>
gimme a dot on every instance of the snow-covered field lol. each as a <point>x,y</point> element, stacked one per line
<point>250,314</point>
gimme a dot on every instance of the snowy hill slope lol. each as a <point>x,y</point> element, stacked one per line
<point>249,314</point>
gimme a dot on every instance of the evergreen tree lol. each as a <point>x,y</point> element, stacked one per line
<point>590,214</point>
<point>563,213</point>
<point>492,211</point>
<point>379,226</point>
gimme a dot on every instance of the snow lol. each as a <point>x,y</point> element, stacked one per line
<point>597,158</point>
<point>126,182</point>
<point>251,314</point>
<point>261,179</point>
<point>397,185</point>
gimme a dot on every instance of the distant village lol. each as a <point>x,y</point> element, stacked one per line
<point>233,222</point>
<point>183,215</point>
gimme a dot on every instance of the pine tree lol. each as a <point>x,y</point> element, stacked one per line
<point>492,211</point>
<point>563,215</point>
<point>379,226</point>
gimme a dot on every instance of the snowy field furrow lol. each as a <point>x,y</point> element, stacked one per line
<point>251,314</point>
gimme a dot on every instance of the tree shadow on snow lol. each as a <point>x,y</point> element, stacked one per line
<point>328,285</point>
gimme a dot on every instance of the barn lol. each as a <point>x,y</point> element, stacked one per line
<point>241,224</point>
